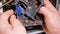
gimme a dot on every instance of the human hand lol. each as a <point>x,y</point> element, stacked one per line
<point>52,18</point>
<point>9,24</point>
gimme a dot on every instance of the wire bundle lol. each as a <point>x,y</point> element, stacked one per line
<point>6,3</point>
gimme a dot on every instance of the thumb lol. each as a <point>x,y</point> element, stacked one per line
<point>48,14</point>
<point>15,22</point>
<point>45,11</point>
<point>16,25</point>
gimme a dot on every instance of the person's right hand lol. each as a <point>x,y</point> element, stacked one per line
<point>52,18</point>
<point>9,24</point>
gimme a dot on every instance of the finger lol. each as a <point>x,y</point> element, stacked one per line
<point>15,23</point>
<point>44,11</point>
<point>6,14</point>
<point>48,5</point>
<point>17,26</point>
<point>4,18</point>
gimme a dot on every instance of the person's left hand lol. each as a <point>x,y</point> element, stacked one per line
<point>9,24</point>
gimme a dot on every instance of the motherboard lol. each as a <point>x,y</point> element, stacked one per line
<point>27,11</point>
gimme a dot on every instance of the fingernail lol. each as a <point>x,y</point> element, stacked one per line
<point>13,16</point>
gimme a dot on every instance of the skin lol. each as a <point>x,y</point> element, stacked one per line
<point>52,18</point>
<point>10,25</point>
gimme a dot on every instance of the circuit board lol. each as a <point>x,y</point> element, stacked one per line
<point>26,10</point>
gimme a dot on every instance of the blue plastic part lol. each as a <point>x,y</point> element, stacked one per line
<point>19,10</point>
